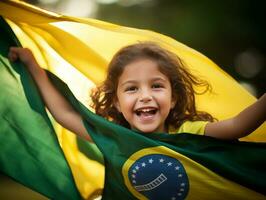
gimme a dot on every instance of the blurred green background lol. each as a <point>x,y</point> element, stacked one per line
<point>231,33</point>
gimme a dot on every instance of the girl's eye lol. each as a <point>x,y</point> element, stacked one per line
<point>131,89</point>
<point>157,85</point>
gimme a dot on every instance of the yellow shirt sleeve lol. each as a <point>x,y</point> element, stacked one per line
<point>196,127</point>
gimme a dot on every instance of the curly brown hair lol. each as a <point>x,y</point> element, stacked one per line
<point>182,83</point>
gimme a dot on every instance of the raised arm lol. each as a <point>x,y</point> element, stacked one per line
<point>241,125</point>
<point>60,109</point>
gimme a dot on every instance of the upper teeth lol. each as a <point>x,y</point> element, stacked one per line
<point>145,110</point>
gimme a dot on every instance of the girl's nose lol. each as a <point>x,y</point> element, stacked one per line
<point>145,97</point>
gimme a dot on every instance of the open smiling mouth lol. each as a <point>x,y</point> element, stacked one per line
<point>146,111</point>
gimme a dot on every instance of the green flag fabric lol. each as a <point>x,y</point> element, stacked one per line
<point>172,166</point>
<point>137,166</point>
<point>29,150</point>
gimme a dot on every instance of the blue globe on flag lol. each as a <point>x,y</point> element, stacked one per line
<point>157,176</point>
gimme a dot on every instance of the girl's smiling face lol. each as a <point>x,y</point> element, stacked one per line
<point>144,96</point>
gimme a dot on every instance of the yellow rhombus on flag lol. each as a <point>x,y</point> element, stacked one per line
<point>78,51</point>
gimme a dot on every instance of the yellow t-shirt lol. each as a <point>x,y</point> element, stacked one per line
<point>196,127</point>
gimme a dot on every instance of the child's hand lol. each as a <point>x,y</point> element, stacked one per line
<point>23,54</point>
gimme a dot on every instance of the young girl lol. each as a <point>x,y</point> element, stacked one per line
<point>147,89</point>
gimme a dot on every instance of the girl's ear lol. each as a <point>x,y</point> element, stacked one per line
<point>117,105</point>
<point>173,102</point>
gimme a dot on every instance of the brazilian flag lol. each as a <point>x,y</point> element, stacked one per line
<point>137,166</point>
<point>173,166</point>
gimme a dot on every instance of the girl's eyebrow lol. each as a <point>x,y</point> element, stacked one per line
<point>128,82</point>
<point>158,79</point>
<point>135,81</point>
